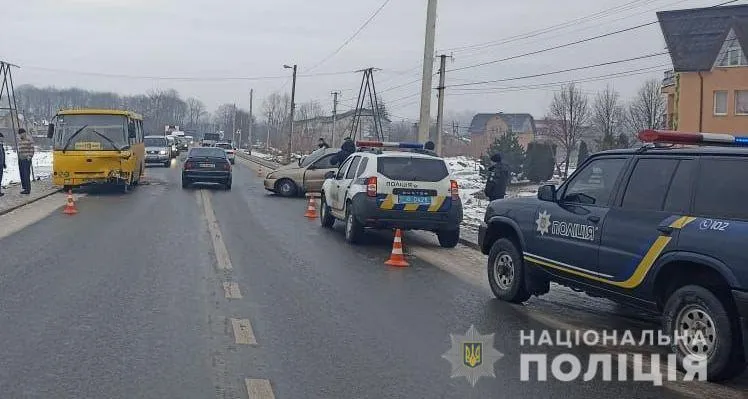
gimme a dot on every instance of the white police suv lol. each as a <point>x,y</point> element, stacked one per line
<point>404,187</point>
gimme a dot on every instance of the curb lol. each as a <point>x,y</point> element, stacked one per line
<point>13,208</point>
<point>470,244</point>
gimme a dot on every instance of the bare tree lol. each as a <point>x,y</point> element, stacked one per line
<point>195,110</point>
<point>276,109</point>
<point>570,112</point>
<point>647,109</point>
<point>607,118</point>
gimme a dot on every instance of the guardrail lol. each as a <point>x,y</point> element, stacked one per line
<point>257,160</point>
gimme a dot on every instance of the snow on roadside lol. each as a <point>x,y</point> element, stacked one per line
<point>41,164</point>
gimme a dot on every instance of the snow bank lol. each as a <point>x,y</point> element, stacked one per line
<point>42,166</point>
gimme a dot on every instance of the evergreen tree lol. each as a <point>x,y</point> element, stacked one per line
<point>583,153</point>
<point>540,162</point>
<point>512,153</point>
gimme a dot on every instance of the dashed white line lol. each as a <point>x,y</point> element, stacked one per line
<point>243,333</point>
<point>232,290</point>
<point>259,389</point>
<point>222,254</point>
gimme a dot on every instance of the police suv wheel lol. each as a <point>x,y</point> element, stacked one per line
<point>506,272</point>
<point>353,229</point>
<point>712,333</point>
<point>325,217</point>
<point>448,238</point>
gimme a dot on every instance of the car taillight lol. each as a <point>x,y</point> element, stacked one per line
<point>188,165</point>
<point>227,166</point>
<point>454,189</point>
<point>371,186</point>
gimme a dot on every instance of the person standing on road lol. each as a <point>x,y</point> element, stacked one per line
<point>322,143</point>
<point>498,177</point>
<point>25,155</point>
<point>3,166</point>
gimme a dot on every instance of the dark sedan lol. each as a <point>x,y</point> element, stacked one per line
<point>206,165</point>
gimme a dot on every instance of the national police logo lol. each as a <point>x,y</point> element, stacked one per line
<point>472,355</point>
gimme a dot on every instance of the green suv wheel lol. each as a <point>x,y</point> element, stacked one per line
<point>506,272</point>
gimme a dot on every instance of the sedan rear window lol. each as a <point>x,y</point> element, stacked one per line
<point>412,168</point>
<point>212,152</point>
<point>154,142</point>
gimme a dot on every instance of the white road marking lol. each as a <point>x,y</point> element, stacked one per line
<point>243,333</point>
<point>231,290</point>
<point>223,260</point>
<point>17,220</point>
<point>259,389</point>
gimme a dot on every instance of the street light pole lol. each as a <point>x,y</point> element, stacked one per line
<point>293,106</point>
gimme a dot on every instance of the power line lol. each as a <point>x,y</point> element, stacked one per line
<point>548,29</point>
<point>641,57</point>
<point>186,78</point>
<point>489,90</point>
<point>588,39</point>
<point>353,36</point>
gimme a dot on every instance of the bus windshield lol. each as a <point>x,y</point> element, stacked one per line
<point>97,132</point>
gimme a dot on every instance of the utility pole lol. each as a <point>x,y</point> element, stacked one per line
<point>428,71</point>
<point>334,115</point>
<point>233,127</point>
<point>267,141</point>
<point>440,109</point>
<point>293,105</point>
<point>250,137</point>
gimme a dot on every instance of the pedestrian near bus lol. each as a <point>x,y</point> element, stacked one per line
<point>498,177</point>
<point>3,166</point>
<point>321,143</point>
<point>25,155</point>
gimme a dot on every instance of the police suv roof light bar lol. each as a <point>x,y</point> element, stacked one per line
<point>672,137</point>
<point>388,144</point>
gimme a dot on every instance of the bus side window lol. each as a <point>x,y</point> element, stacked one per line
<point>140,131</point>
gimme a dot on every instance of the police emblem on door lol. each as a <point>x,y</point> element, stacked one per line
<point>472,354</point>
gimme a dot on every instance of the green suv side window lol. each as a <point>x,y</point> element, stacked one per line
<point>594,184</point>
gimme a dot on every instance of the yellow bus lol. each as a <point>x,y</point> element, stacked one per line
<point>97,146</point>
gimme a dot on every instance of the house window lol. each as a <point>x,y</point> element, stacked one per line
<point>741,102</point>
<point>720,102</point>
<point>731,54</point>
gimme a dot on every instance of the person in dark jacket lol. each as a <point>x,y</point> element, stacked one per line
<point>321,143</point>
<point>347,148</point>
<point>25,155</point>
<point>498,178</point>
<point>3,166</point>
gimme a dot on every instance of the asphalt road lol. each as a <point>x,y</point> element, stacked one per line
<point>202,293</point>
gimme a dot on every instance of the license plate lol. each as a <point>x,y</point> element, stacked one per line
<point>207,165</point>
<point>413,199</point>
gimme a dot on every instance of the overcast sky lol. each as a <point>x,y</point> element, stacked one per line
<point>70,42</point>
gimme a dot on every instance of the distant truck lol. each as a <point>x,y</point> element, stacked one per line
<point>209,139</point>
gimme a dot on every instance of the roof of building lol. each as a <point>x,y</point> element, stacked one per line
<point>694,37</point>
<point>519,123</point>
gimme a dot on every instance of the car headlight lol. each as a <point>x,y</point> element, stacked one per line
<point>162,152</point>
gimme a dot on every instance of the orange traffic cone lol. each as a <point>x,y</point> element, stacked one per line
<point>397,258</point>
<point>70,206</point>
<point>311,210</point>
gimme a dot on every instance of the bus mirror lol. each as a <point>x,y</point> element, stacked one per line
<point>131,130</point>
<point>50,130</point>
